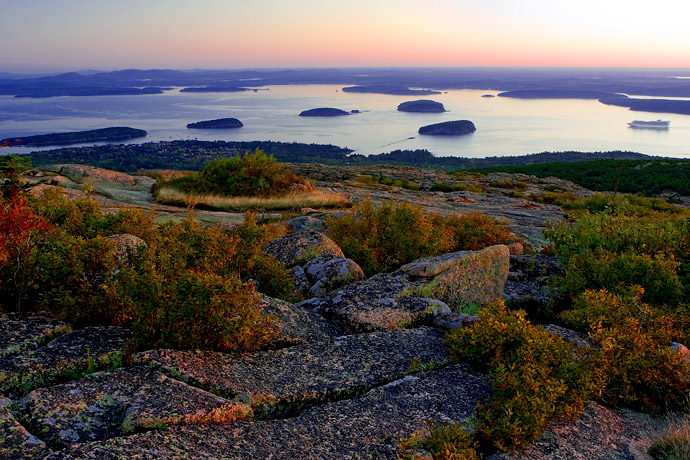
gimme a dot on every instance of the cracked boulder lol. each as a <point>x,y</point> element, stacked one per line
<point>529,282</point>
<point>328,272</point>
<point>66,358</point>
<point>300,248</point>
<point>15,441</point>
<point>305,224</point>
<point>120,402</point>
<point>284,382</point>
<point>23,333</point>
<point>364,427</point>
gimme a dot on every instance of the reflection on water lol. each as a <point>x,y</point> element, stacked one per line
<point>504,126</point>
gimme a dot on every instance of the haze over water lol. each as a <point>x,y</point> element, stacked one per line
<point>505,126</point>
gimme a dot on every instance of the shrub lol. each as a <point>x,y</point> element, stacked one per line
<point>251,174</point>
<point>446,441</point>
<point>383,238</point>
<point>536,376</point>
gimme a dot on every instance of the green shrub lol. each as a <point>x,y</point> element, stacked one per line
<point>535,375</point>
<point>383,238</point>
<point>251,174</point>
<point>445,441</point>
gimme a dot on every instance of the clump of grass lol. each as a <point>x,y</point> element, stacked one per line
<point>447,188</point>
<point>368,179</point>
<point>674,444</point>
<point>288,201</point>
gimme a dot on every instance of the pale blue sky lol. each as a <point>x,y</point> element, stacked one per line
<point>42,35</point>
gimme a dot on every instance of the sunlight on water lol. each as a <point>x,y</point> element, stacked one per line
<point>504,126</point>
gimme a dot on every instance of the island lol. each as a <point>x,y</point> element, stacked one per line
<point>220,123</point>
<point>323,112</point>
<point>213,89</point>
<point>557,94</point>
<point>650,105</point>
<point>78,137</point>
<point>422,106</point>
<point>449,128</point>
<point>394,90</point>
<point>488,95</point>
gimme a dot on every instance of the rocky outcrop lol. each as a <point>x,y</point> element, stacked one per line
<point>65,358</point>
<point>422,106</point>
<point>306,223</point>
<point>20,334</point>
<point>366,426</point>
<point>284,382</point>
<point>80,173</point>
<point>120,402</point>
<point>449,128</point>
<point>127,247</point>
<point>417,291</point>
<point>529,283</point>
<point>15,440</point>
<point>328,272</point>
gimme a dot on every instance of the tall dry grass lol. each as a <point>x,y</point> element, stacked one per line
<point>292,200</point>
<point>674,444</point>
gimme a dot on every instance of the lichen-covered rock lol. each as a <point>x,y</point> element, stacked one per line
<point>464,278</point>
<point>284,382</point>
<point>297,325</point>
<point>65,358</point>
<point>364,427</point>
<point>120,402</point>
<point>328,272</point>
<point>306,224</point>
<point>377,303</point>
<point>450,321</point>
<point>299,248</point>
<point>598,434</point>
<point>418,291</point>
<point>127,247</point>
<point>15,441</point>
<point>22,333</point>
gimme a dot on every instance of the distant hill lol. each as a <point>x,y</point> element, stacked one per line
<point>220,123</point>
<point>557,94</point>
<point>95,135</point>
<point>214,89</point>
<point>650,105</point>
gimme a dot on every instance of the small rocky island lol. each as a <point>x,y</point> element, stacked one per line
<point>220,123</point>
<point>323,112</point>
<point>77,137</point>
<point>421,106</point>
<point>449,128</point>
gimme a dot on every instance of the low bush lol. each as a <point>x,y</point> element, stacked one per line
<point>536,376</point>
<point>251,174</point>
<point>385,237</point>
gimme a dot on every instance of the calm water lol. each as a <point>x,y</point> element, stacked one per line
<point>504,126</point>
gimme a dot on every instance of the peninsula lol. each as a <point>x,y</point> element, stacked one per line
<point>214,89</point>
<point>78,137</point>
<point>558,94</point>
<point>422,106</point>
<point>220,123</point>
<point>394,90</point>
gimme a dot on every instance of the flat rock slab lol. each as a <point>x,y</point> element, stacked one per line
<point>367,426</point>
<point>65,358</point>
<point>15,441</point>
<point>297,325</point>
<point>22,333</point>
<point>120,402</point>
<point>283,382</point>
<point>598,434</point>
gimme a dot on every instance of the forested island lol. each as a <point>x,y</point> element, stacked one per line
<point>193,154</point>
<point>422,106</point>
<point>650,105</point>
<point>323,112</point>
<point>220,123</point>
<point>394,90</point>
<point>113,134</point>
<point>449,128</point>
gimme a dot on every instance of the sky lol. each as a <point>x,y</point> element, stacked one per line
<point>64,35</point>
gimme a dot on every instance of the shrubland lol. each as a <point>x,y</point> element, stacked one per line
<point>182,285</point>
